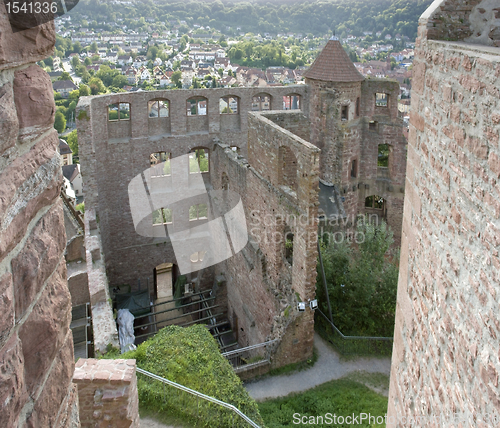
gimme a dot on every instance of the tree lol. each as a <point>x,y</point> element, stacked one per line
<point>93,47</point>
<point>74,95</point>
<point>119,81</point>
<point>75,62</point>
<point>87,61</point>
<point>72,140</point>
<point>65,76</point>
<point>59,122</point>
<point>84,90</point>
<point>96,86</point>
<point>176,77</point>
<point>362,281</point>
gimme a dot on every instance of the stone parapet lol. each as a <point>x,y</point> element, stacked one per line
<point>107,391</point>
<point>445,359</point>
<point>103,323</point>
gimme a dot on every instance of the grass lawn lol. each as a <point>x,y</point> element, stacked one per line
<point>342,397</point>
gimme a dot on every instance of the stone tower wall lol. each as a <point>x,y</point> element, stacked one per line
<point>445,359</point>
<point>36,344</point>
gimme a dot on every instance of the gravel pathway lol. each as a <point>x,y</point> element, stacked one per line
<point>327,367</point>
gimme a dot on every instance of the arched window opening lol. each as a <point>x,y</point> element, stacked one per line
<point>229,105</point>
<point>198,161</point>
<point>118,111</point>
<point>157,108</point>
<point>160,164</point>
<point>162,216</point>
<point>198,212</point>
<point>197,106</point>
<point>261,102</point>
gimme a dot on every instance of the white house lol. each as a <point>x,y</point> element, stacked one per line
<point>73,183</point>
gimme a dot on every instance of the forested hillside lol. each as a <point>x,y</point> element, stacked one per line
<point>314,17</point>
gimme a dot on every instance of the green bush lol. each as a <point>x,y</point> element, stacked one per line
<point>190,356</point>
<point>362,282</point>
<point>341,397</point>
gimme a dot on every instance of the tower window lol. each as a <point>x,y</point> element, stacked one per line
<point>345,112</point>
<point>354,168</point>
<point>381,99</point>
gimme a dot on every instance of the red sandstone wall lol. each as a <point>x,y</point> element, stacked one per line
<point>263,287</point>
<point>36,345</point>
<point>113,153</point>
<point>446,343</point>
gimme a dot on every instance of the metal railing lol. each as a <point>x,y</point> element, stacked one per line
<point>192,393</point>
<point>247,358</point>
<point>358,345</point>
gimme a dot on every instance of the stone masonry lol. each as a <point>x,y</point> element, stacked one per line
<point>272,159</point>
<point>107,392</point>
<point>446,357</point>
<point>36,344</point>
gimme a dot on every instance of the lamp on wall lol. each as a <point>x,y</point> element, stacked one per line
<point>313,304</point>
<point>301,306</point>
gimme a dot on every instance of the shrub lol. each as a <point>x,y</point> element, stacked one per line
<point>190,356</point>
<point>362,282</point>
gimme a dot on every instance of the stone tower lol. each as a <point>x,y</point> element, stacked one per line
<point>353,121</point>
<point>335,99</point>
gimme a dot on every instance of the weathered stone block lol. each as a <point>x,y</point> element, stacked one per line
<point>45,330</point>
<point>26,46</point>
<point>29,183</point>
<point>9,123</point>
<point>13,393</point>
<point>34,98</point>
<point>55,390</point>
<point>38,259</point>
<point>6,306</point>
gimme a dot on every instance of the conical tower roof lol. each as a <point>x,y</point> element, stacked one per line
<point>333,65</point>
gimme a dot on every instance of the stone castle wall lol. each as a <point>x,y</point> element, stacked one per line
<point>112,153</point>
<point>264,286</point>
<point>357,139</point>
<point>36,344</point>
<point>107,392</point>
<point>446,343</point>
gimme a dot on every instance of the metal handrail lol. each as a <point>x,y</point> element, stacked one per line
<point>248,348</point>
<point>343,336</point>
<point>199,394</point>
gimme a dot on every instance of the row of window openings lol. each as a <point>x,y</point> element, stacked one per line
<point>161,166</point>
<point>198,106</point>
<point>382,159</point>
<point>381,100</point>
<point>165,216</point>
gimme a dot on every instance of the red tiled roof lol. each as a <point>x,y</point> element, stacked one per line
<point>333,65</point>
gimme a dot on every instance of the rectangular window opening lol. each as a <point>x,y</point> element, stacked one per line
<point>381,99</point>
<point>345,112</point>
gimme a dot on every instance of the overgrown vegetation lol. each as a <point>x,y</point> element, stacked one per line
<point>341,397</point>
<point>190,357</point>
<point>362,282</point>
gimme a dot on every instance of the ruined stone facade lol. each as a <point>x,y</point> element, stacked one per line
<point>446,357</point>
<point>352,119</point>
<point>268,156</point>
<point>36,345</point>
